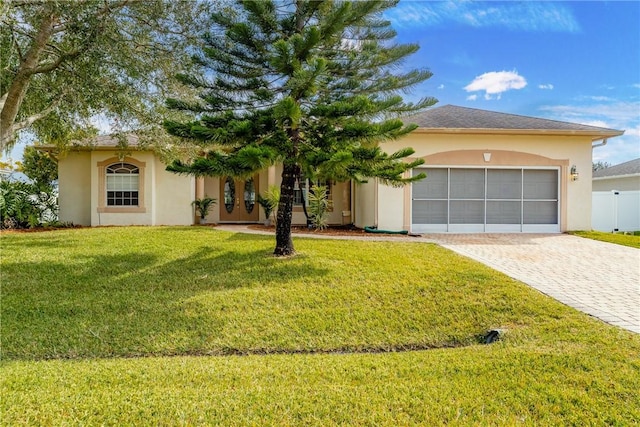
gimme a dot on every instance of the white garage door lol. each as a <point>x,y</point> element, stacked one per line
<point>476,200</point>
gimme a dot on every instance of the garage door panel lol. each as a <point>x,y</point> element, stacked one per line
<point>540,212</point>
<point>467,184</point>
<point>504,184</point>
<point>504,212</point>
<point>466,212</point>
<point>434,186</point>
<point>540,184</point>
<point>429,211</point>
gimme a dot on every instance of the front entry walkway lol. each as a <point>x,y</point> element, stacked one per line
<point>598,278</point>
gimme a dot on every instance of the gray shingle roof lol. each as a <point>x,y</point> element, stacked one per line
<point>454,117</point>
<point>631,167</point>
<point>109,141</point>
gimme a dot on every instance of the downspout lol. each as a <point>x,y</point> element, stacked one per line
<point>603,143</point>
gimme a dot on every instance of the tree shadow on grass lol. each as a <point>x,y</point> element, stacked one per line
<point>132,304</point>
<point>47,242</point>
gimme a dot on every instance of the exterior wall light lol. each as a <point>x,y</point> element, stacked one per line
<point>574,173</point>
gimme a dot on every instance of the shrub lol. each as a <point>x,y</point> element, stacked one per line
<point>319,205</point>
<point>203,206</point>
<point>18,209</point>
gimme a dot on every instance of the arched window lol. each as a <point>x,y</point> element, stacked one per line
<point>123,180</point>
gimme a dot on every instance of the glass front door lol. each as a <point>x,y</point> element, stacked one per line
<point>239,200</point>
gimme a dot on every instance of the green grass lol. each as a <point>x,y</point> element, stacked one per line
<point>632,240</point>
<point>145,326</point>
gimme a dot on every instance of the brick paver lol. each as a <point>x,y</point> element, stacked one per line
<point>598,278</point>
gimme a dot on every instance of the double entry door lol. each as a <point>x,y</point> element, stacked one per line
<point>239,200</point>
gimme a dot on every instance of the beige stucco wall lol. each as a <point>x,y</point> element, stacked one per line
<point>172,196</point>
<point>365,204</point>
<point>166,197</point>
<point>74,172</point>
<point>630,183</point>
<point>447,149</point>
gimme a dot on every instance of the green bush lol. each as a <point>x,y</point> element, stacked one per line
<point>319,205</point>
<point>25,205</point>
<point>270,201</point>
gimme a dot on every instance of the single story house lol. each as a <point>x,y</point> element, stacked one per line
<point>616,198</point>
<point>486,172</point>
<point>622,177</point>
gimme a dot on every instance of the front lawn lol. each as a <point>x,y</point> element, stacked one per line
<point>632,240</point>
<point>190,325</point>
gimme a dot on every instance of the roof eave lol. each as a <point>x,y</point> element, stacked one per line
<point>91,148</point>
<point>628,175</point>
<point>595,135</point>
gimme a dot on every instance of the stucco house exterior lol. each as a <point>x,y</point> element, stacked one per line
<point>486,172</point>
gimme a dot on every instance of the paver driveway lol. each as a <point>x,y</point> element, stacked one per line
<point>598,278</point>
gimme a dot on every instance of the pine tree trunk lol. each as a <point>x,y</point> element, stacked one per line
<point>284,242</point>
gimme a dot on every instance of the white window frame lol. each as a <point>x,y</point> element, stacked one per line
<point>103,207</point>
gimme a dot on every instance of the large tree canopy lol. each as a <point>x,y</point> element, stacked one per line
<point>64,62</point>
<point>311,85</point>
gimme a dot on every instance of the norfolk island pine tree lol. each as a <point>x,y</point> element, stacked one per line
<point>311,85</point>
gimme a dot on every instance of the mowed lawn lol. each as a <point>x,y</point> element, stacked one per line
<point>195,326</point>
<point>631,240</point>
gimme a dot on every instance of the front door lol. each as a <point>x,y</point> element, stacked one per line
<point>240,200</point>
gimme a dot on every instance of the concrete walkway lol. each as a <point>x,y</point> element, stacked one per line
<point>598,278</point>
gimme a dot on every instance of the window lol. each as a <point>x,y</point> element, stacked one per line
<point>122,184</point>
<point>300,190</point>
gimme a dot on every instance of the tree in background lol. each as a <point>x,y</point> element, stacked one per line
<point>600,165</point>
<point>64,62</point>
<point>313,86</point>
<point>39,167</point>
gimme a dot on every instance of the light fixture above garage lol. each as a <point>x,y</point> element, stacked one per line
<point>574,173</point>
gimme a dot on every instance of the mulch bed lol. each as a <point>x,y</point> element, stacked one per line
<point>336,230</point>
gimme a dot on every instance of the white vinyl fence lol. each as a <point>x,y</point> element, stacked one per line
<point>615,211</point>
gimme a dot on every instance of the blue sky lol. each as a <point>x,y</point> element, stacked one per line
<point>570,61</point>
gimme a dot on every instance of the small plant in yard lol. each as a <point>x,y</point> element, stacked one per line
<point>319,206</point>
<point>269,202</point>
<point>267,207</point>
<point>203,206</point>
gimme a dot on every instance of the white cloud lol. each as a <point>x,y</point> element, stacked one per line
<point>636,85</point>
<point>596,123</point>
<point>441,87</point>
<point>599,98</point>
<point>547,86</point>
<point>472,97</point>
<point>521,16</point>
<point>496,82</point>
<point>633,131</point>
<point>617,113</point>
<point>609,114</point>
